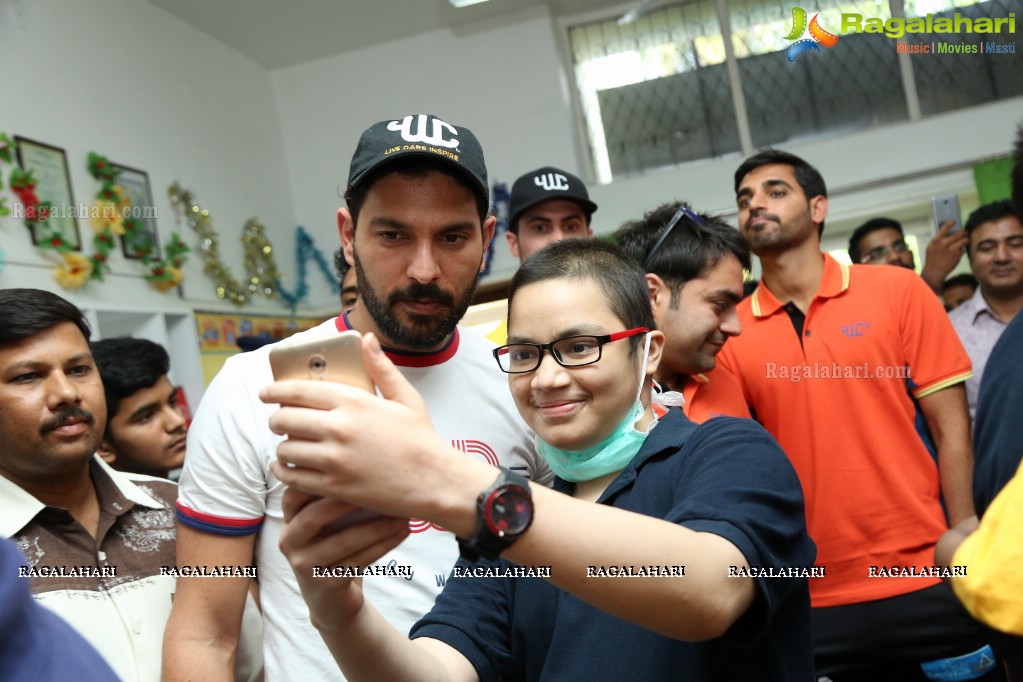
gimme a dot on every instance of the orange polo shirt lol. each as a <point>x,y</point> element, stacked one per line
<point>838,405</point>
<point>715,393</point>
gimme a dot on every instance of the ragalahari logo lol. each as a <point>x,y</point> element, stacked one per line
<point>818,36</point>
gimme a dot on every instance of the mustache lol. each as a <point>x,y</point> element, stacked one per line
<point>419,292</point>
<point>760,214</point>
<point>64,415</point>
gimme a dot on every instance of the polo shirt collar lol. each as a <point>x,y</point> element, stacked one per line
<point>834,281</point>
<point>115,490</point>
<point>975,306</point>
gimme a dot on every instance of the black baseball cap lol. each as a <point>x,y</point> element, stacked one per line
<point>420,135</point>
<point>546,184</point>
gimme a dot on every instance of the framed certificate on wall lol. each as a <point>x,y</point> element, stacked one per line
<point>144,238</point>
<point>49,165</point>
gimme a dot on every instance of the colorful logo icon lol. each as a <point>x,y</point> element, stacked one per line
<point>818,36</point>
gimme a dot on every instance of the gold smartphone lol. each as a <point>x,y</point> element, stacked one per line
<point>339,359</point>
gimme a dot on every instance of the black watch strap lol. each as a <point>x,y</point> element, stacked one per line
<point>498,528</point>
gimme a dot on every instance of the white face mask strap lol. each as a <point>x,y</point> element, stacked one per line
<point>646,361</point>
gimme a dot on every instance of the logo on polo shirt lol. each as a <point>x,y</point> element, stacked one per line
<point>855,329</point>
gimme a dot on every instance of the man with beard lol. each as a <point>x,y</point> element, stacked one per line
<point>416,230</point>
<point>823,360</point>
<point>93,539</point>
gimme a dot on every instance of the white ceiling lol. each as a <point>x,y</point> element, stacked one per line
<point>280,33</point>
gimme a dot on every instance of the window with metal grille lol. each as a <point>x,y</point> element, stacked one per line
<point>855,85</point>
<point>654,91</point>
<point>948,81</point>
<point>659,90</point>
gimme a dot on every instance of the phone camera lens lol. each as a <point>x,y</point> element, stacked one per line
<point>317,364</point>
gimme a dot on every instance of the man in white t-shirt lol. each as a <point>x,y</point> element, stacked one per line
<point>416,230</point>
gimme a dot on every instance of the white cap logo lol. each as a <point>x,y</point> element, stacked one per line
<point>425,133</point>
<point>551,181</point>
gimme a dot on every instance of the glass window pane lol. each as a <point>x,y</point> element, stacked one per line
<point>654,92</point>
<point>947,80</point>
<point>855,84</point>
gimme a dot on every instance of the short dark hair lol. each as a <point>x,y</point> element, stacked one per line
<point>128,365</point>
<point>27,312</point>
<point>340,264</point>
<point>688,252</point>
<point>963,279</point>
<point>622,282</point>
<point>996,210</point>
<point>855,252</point>
<point>809,178</point>
<point>411,167</point>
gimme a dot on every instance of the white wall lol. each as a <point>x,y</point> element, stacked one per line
<point>131,81</point>
<point>134,83</point>
<point>507,82</point>
<point>502,80</point>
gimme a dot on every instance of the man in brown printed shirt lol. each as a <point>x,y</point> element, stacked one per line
<point>96,541</point>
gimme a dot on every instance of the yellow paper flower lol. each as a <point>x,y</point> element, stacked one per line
<point>125,197</point>
<point>106,215</point>
<point>117,224</point>
<point>75,272</point>
<point>165,285</point>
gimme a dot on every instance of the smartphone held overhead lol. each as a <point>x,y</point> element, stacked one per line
<point>945,207</point>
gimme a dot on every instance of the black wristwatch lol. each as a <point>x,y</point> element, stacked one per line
<point>505,512</point>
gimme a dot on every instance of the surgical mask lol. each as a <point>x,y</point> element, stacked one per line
<point>609,455</point>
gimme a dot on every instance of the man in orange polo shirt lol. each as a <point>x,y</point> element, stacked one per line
<point>694,268</point>
<point>823,361</point>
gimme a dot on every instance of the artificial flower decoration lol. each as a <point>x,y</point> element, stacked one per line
<point>101,169</point>
<point>166,278</point>
<point>75,272</point>
<point>107,216</point>
<point>23,183</point>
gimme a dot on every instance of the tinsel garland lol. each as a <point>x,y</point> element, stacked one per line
<point>261,272</point>
<point>306,249</point>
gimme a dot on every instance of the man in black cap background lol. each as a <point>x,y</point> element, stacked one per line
<point>547,205</point>
<point>415,230</point>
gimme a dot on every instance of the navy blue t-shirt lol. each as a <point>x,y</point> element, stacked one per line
<point>727,476</point>
<point>37,645</point>
<point>998,430</point>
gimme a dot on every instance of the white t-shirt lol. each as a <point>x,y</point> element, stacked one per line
<point>227,487</point>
